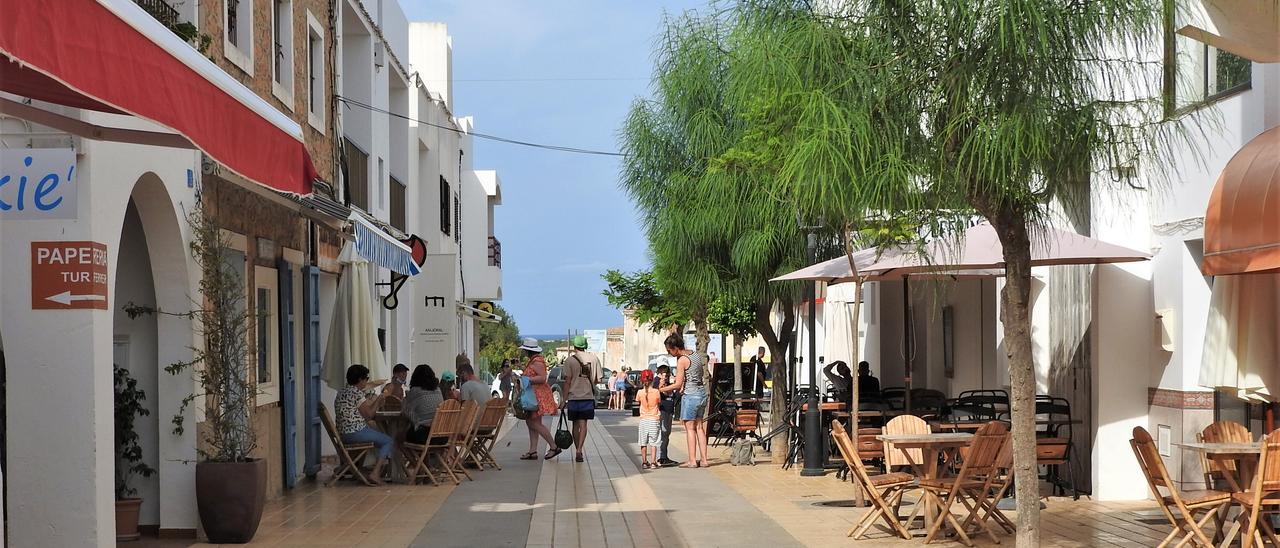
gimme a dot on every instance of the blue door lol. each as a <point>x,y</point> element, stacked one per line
<point>289,425</point>
<point>311,360</point>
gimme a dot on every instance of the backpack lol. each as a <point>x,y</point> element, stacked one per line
<point>528,399</point>
<point>741,454</point>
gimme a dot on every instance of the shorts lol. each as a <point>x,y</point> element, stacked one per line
<point>693,405</point>
<point>581,410</point>
<point>650,432</point>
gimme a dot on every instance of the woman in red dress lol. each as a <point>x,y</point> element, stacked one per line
<point>536,371</point>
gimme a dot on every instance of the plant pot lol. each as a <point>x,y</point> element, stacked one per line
<point>127,519</point>
<point>230,497</point>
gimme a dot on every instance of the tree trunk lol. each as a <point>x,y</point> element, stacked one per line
<point>856,354</point>
<point>1015,314</point>
<point>778,445</point>
<point>737,360</point>
<point>702,336</point>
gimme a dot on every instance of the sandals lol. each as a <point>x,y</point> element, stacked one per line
<point>647,466</point>
<point>531,455</point>
<point>553,453</point>
<point>579,458</point>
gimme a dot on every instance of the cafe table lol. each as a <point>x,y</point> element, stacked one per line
<point>931,446</point>
<point>1243,455</point>
<point>394,424</point>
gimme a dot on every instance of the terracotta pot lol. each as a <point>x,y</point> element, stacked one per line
<point>230,497</point>
<point>127,519</point>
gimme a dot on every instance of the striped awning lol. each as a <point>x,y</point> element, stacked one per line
<point>381,249</point>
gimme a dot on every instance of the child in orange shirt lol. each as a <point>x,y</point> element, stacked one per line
<point>650,426</point>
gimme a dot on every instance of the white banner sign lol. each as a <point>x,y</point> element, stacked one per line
<point>595,340</point>
<point>436,341</point>
<point>37,183</point>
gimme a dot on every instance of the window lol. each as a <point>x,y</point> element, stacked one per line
<point>397,204</point>
<point>237,36</point>
<point>315,73</point>
<point>267,332</point>
<point>282,51</point>
<point>457,220</point>
<point>382,184</point>
<point>264,335</point>
<point>357,175</point>
<point>1197,73</point>
<point>446,224</point>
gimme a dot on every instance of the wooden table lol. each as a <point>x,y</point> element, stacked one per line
<point>931,445</point>
<point>1244,455</point>
<point>974,425</point>
<point>394,424</point>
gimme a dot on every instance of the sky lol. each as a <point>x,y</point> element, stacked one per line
<point>566,74</point>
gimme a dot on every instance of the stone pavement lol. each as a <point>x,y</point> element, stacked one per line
<point>609,501</point>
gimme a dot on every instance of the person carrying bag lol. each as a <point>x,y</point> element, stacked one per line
<point>583,371</point>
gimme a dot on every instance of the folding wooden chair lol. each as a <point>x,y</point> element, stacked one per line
<point>1264,497</point>
<point>884,490</point>
<point>1226,470</point>
<point>349,455</point>
<point>973,481</point>
<point>491,418</point>
<point>1186,503</point>
<point>462,437</point>
<point>894,457</point>
<point>1000,485</point>
<point>439,443</point>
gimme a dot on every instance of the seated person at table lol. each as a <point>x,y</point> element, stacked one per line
<point>841,379</point>
<point>868,386</point>
<point>471,387</point>
<point>353,411</point>
<point>421,402</point>
<point>399,376</point>
<point>447,380</point>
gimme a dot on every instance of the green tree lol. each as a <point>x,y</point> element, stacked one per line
<point>734,316</point>
<point>498,340</point>
<point>918,111</point>
<point>639,294</point>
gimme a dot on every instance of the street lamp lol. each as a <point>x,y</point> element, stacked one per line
<point>814,463</point>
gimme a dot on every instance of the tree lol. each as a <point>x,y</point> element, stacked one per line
<point>917,111</point>
<point>639,294</point>
<point>498,341</point>
<point>734,316</point>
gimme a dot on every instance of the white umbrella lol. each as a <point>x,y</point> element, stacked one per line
<point>353,334</point>
<point>1242,337</point>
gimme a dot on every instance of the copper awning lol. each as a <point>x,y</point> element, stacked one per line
<point>1242,224</point>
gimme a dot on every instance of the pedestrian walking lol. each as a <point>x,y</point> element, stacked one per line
<point>691,381</point>
<point>650,426</point>
<point>666,410</point>
<point>535,370</point>
<point>504,380</point>
<point>582,368</point>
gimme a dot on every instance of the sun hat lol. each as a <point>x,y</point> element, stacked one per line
<point>580,342</point>
<point>530,344</point>
<point>448,376</point>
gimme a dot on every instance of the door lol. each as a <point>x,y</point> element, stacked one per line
<point>289,427</point>
<point>311,365</point>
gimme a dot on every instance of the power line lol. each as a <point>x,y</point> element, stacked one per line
<point>559,148</point>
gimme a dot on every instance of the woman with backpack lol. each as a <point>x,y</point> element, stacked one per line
<point>535,379</point>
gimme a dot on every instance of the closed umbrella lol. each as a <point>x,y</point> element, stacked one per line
<point>1242,337</point>
<point>837,324</point>
<point>353,333</point>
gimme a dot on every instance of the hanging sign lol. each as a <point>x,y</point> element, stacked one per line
<point>37,183</point>
<point>68,275</point>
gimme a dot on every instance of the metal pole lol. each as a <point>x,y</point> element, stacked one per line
<point>813,458</point>
<point>908,345</point>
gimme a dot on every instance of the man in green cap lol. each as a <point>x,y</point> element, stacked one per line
<point>582,371</point>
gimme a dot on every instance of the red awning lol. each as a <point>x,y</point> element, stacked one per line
<point>1242,224</point>
<point>111,56</point>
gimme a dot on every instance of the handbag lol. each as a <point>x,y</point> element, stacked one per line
<point>528,399</point>
<point>517,409</point>
<point>564,438</point>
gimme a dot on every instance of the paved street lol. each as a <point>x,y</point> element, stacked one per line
<point>610,501</point>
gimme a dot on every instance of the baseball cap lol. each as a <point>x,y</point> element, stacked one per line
<point>448,376</point>
<point>579,342</point>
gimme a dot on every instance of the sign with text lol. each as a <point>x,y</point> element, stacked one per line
<point>596,340</point>
<point>37,183</point>
<point>68,275</point>
<point>436,339</point>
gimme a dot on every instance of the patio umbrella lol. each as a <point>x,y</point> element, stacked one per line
<point>353,333</point>
<point>1242,337</point>
<point>838,325</point>
<point>981,251</point>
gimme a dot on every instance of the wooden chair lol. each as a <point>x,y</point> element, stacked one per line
<point>444,428</point>
<point>884,490</point>
<point>746,423</point>
<point>974,481</point>
<point>1263,499</point>
<point>461,448</point>
<point>490,425</point>
<point>349,455</point>
<point>870,448</point>
<point>1186,503</point>
<point>1222,432</point>
<point>904,424</point>
<point>1056,453</point>
<point>1000,485</point>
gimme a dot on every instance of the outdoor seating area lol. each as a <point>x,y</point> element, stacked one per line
<point>1242,493</point>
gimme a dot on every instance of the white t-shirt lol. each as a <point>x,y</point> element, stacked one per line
<point>475,390</point>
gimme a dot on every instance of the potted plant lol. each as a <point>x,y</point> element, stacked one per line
<point>230,483</point>
<point>129,406</point>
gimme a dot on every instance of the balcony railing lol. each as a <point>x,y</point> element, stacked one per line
<point>495,252</point>
<point>161,11</point>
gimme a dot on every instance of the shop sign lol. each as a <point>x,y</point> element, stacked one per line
<point>68,275</point>
<point>37,183</point>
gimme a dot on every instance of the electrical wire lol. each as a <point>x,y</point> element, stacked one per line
<point>559,148</point>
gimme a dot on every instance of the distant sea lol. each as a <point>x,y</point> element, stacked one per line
<point>553,337</point>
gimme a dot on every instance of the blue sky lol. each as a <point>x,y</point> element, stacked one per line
<point>563,221</point>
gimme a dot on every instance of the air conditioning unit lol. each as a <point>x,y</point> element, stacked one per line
<point>379,54</point>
